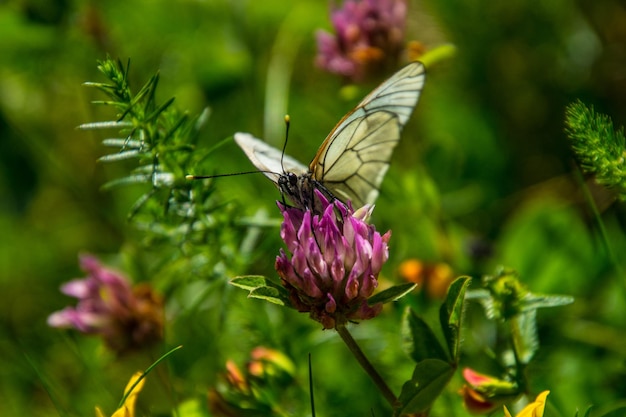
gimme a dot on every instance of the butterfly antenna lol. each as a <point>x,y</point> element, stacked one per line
<point>204,177</point>
<point>282,155</point>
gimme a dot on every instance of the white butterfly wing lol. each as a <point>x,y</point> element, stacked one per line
<point>267,158</point>
<point>354,158</point>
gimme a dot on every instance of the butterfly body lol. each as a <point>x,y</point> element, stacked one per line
<point>300,188</point>
<point>353,159</point>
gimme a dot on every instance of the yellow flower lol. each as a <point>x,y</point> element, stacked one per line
<point>534,409</point>
<point>128,408</point>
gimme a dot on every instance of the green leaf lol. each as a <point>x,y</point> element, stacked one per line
<point>193,407</point>
<point>429,379</point>
<point>160,110</point>
<point>587,412</point>
<point>418,340</point>
<point>535,301</point>
<point>249,282</point>
<point>130,180</point>
<point>391,294</point>
<point>524,334</point>
<point>485,299</point>
<point>105,125</point>
<point>124,143</point>
<point>271,294</point>
<point>157,179</point>
<point>451,313</point>
<point>262,288</point>
<point>121,156</point>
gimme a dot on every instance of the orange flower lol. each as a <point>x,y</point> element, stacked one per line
<point>269,362</point>
<point>484,393</point>
<point>434,277</point>
<point>475,402</point>
<point>235,377</point>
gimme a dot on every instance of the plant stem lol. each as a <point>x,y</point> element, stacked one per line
<point>366,365</point>
<point>603,234</point>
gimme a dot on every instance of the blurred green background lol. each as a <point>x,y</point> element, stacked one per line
<point>484,161</point>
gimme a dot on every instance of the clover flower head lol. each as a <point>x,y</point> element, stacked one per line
<point>126,317</point>
<point>369,37</point>
<point>335,261</point>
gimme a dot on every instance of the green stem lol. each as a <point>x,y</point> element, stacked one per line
<point>600,223</point>
<point>366,365</point>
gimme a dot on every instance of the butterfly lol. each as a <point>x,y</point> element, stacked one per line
<point>353,159</point>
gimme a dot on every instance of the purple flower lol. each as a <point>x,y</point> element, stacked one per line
<point>335,262</point>
<point>369,38</point>
<point>109,306</point>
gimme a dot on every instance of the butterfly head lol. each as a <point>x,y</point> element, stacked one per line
<point>287,180</point>
<point>300,190</point>
<point>288,185</point>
